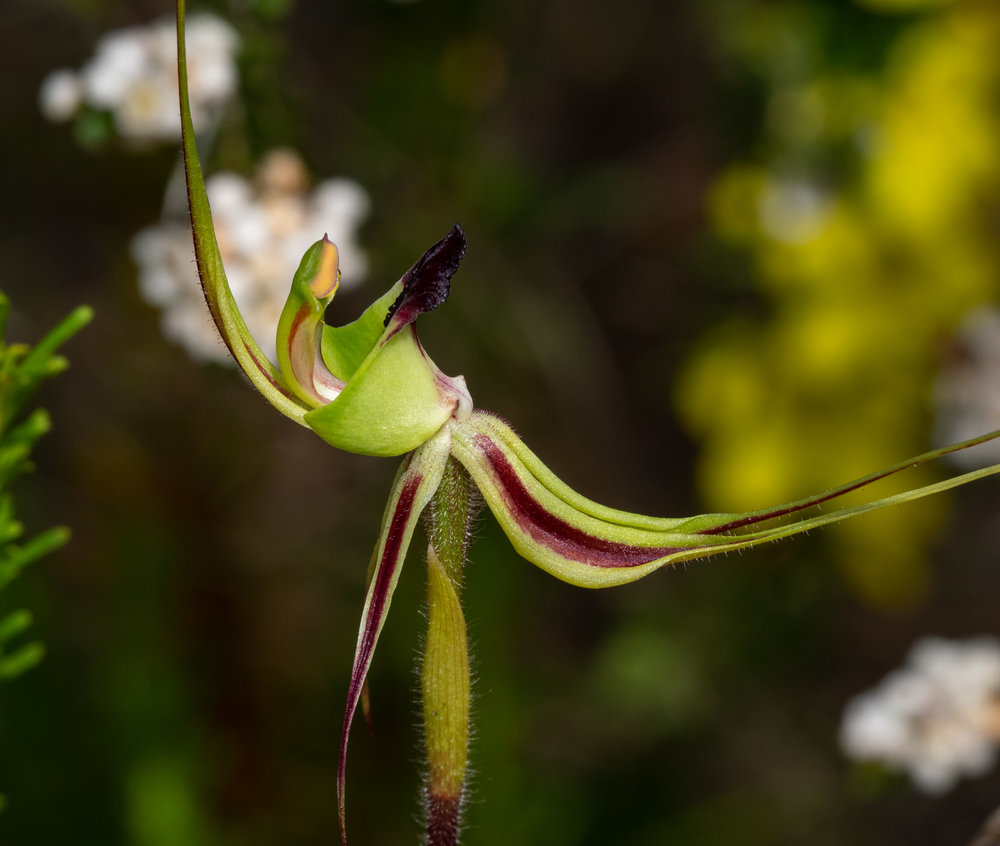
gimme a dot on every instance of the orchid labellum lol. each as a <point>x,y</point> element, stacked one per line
<point>369,387</point>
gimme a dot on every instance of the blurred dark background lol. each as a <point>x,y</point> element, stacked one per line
<point>200,625</point>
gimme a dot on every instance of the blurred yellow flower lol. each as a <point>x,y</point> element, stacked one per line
<point>902,5</point>
<point>863,276</point>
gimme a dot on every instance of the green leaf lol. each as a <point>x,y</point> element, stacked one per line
<point>14,624</point>
<point>28,656</point>
<point>24,369</point>
<point>14,558</point>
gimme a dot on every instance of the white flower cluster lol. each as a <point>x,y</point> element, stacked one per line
<point>133,76</point>
<point>263,227</point>
<point>937,718</point>
<point>967,395</point>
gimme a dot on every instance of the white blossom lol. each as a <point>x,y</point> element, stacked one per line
<point>60,95</point>
<point>133,76</point>
<point>937,718</point>
<point>263,228</point>
<point>967,394</point>
<point>119,61</point>
<point>148,110</point>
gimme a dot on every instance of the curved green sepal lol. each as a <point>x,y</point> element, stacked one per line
<point>225,312</point>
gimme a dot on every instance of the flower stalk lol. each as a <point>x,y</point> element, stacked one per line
<point>446,691</point>
<point>444,679</point>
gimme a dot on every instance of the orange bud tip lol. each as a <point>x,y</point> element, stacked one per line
<point>327,278</point>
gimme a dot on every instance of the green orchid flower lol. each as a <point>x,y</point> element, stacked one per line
<point>369,387</point>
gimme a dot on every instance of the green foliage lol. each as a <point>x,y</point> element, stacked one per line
<point>22,370</point>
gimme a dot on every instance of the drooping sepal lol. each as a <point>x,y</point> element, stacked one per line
<point>593,546</point>
<point>416,482</point>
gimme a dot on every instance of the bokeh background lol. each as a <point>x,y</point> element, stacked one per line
<point>718,255</point>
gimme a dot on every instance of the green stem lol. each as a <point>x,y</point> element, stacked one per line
<point>445,679</point>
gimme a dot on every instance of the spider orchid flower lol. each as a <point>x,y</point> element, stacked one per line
<point>369,387</point>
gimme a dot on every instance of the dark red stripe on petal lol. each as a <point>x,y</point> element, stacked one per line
<point>390,561</point>
<point>547,529</point>
<point>782,511</point>
<point>379,592</point>
<point>297,321</point>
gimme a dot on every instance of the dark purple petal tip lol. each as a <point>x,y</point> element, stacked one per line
<point>427,284</point>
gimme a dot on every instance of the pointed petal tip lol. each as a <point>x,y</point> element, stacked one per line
<point>341,798</point>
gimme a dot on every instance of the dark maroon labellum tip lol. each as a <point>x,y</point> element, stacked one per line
<point>427,284</point>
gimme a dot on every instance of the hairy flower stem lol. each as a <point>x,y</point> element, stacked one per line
<point>445,678</point>
<point>450,513</point>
